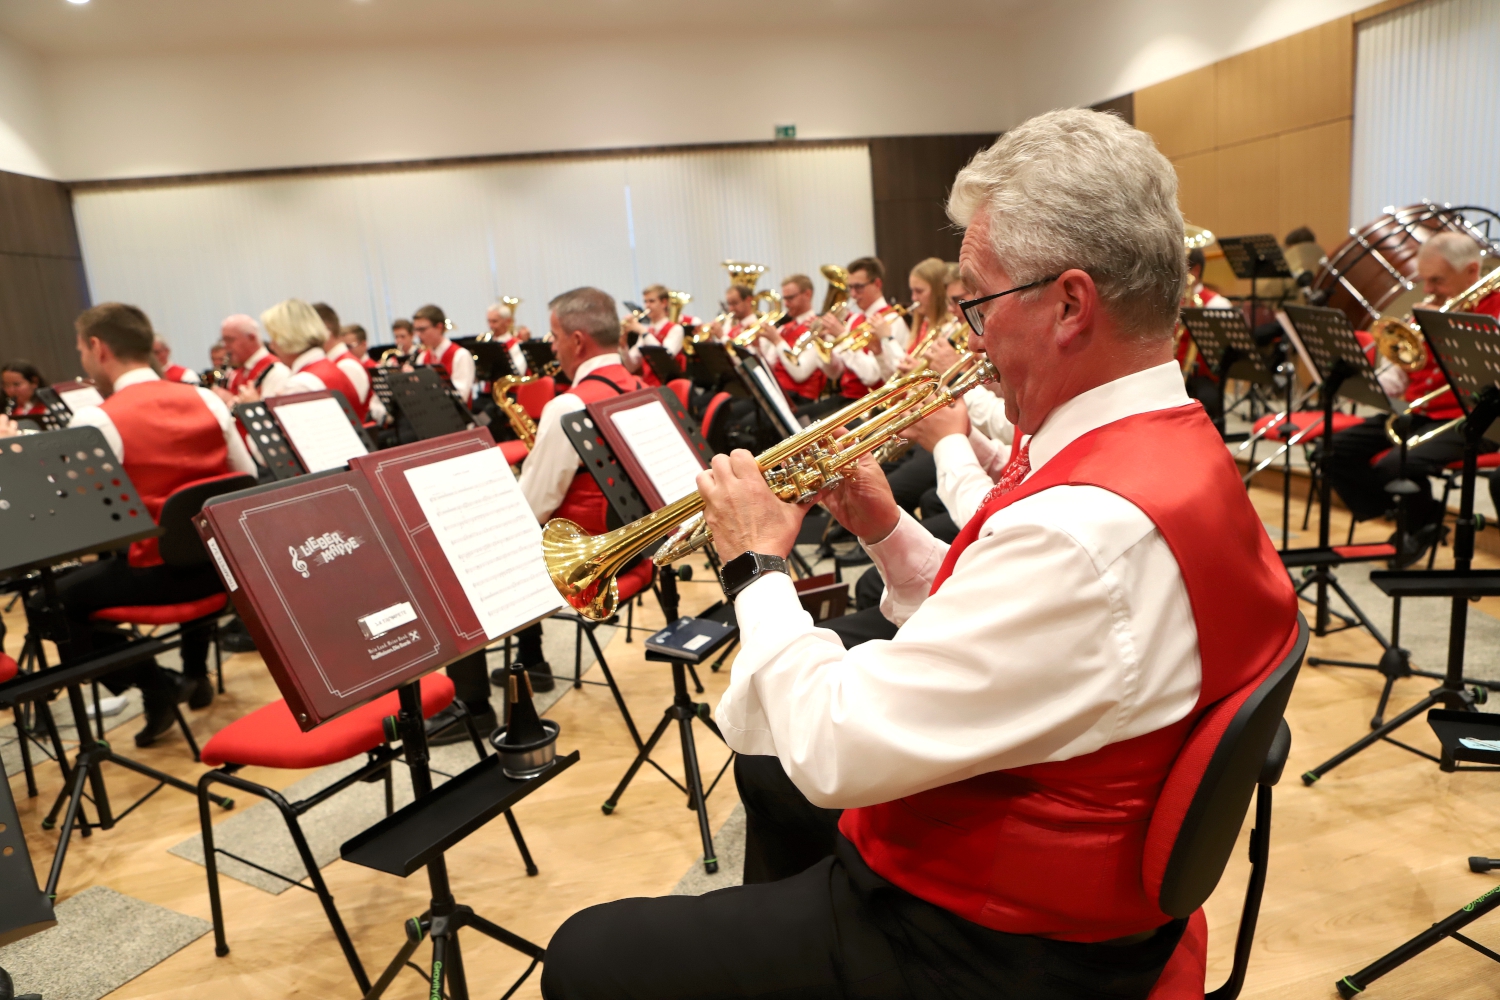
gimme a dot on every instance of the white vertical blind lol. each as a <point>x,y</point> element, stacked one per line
<point>376,246</point>
<point>1427,107</point>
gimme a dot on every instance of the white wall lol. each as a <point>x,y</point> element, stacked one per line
<point>152,113</point>
<point>1426,99</point>
<point>25,125</point>
<point>377,245</point>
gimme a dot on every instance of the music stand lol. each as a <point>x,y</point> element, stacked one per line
<point>1253,258</point>
<point>661,363</point>
<point>1452,729</point>
<point>277,404</point>
<point>1465,347</point>
<point>275,451</point>
<point>65,497</point>
<point>491,360</point>
<point>626,500</point>
<point>713,368</point>
<point>540,358</point>
<point>769,400</point>
<point>427,402</point>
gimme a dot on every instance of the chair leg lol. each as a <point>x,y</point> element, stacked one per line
<point>211,865</point>
<point>218,655</point>
<point>629,618</point>
<point>25,747</point>
<point>578,651</point>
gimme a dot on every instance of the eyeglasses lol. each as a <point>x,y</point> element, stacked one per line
<point>975,315</point>
<point>857,286</point>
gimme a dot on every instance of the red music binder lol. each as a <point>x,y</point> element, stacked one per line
<point>340,582</point>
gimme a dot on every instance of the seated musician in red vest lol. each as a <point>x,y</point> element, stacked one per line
<point>297,338</point>
<point>336,349</point>
<point>165,435</point>
<point>1447,264</point>
<point>658,331</point>
<point>962,810</point>
<point>799,377</point>
<point>430,325</point>
<point>253,364</point>
<point>19,381</point>
<point>501,320</point>
<point>162,351</point>
<point>585,326</point>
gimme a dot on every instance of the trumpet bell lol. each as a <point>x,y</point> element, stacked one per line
<point>572,561</point>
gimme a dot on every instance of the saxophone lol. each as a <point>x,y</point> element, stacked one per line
<point>520,420</point>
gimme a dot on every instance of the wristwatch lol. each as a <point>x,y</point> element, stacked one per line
<point>747,567</point>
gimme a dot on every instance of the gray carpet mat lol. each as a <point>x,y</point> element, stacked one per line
<point>120,936</point>
<point>729,845</point>
<point>256,831</point>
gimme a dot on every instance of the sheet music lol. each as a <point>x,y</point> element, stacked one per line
<point>490,536</point>
<point>772,390</point>
<point>77,399</point>
<point>664,454</point>
<point>320,431</point>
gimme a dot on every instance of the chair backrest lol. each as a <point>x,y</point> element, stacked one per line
<point>180,545</point>
<point>534,395</point>
<point>1204,799</point>
<point>713,433</point>
<point>682,389</point>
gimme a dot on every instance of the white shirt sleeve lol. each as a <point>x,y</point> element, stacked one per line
<point>550,467</point>
<point>356,374</point>
<point>987,414</point>
<point>274,383</point>
<point>517,359</point>
<point>963,478</point>
<point>239,456</point>
<point>1064,627</point>
<point>865,365</point>
<point>891,353</point>
<point>303,381</point>
<point>462,375</point>
<point>190,377</point>
<point>673,340</point>
<point>93,416</point>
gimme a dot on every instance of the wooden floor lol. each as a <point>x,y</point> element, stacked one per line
<point>1359,862</point>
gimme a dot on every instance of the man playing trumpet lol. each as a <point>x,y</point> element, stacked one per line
<point>961,810</point>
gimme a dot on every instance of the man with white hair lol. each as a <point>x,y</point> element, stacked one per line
<point>253,364</point>
<point>997,763</point>
<point>501,320</point>
<point>1447,264</point>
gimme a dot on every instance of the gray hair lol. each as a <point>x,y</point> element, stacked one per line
<point>590,311</point>
<point>294,326</point>
<point>1457,249</point>
<point>500,309</point>
<point>1082,189</point>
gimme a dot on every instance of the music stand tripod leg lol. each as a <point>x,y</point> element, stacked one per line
<point>1450,926</point>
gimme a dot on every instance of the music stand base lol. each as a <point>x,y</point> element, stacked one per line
<point>683,711</point>
<point>447,960</point>
<point>1449,927</point>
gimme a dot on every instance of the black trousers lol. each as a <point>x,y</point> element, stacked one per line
<point>113,582</point>
<point>828,928</point>
<point>1362,485</point>
<point>911,478</point>
<point>471,682</point>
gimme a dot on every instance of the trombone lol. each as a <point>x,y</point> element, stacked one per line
<point>583,567</point>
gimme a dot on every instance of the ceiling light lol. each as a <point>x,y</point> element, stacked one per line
<point>78,1</point>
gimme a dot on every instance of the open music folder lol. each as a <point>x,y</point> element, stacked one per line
<point>355,582</point>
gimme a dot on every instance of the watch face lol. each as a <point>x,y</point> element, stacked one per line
<point>738,572</point>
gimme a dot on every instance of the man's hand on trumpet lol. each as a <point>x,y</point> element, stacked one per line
<point>743,512</point>
<point>952,419</point>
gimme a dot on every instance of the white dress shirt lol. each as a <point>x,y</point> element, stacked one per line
<point>987,414</point>
<point>1064,627</point>
<point>875,366</point>
<point>299,380</point>
<point>462,372</point>
<point>94,416</point>
<point>553,462</point>
<point>664,334</point>
<point>799,369</point>
<point>276,376</point>
<point>352,369</point>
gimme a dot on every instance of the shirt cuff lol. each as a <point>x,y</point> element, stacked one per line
<point>770,616</point>
<point>908,559</point>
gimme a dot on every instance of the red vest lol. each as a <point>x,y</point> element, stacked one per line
<point>445,362</point>
<point>584,504</point>
<point>243,377</point>
<point>31,409</point>
<point>328,373</point>
<point>171,438</point>
<point>1056,849</point>
<point>175,373</point>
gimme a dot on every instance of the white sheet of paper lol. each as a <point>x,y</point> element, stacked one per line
<point>77,399</point>
<point>320,431</point>
<point>490,536</point>
<point>653,437</point>
<point>772,390</point>
<point>1471,743</point>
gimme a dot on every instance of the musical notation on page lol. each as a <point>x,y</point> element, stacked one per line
<point>486,529</point>
<point>321,433</point>
<point>664,455</point>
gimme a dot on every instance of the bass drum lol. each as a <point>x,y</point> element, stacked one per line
<point>1374,273</point>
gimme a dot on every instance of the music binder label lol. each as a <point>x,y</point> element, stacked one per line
<point>376,625</point>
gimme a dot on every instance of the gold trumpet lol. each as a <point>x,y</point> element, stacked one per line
<point>702,335</point>
<point>1398,340</point>
<point>583,566</point>
<point>863,333</point>
<point>520,420</point>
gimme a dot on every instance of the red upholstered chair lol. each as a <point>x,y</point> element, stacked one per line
<point>270,737</point>
<point>534,395</point>
<point>515,452</point>
<point>181,548</point>
<point>1240,745</point>
<point>713,415</point>
<point>682,389</point>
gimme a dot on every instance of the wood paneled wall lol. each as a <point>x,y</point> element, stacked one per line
<point>911,176</point>
<point>42,283</point>
<point>1261,140</point>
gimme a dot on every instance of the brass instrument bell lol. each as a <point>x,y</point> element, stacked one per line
<point>838,286</point>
